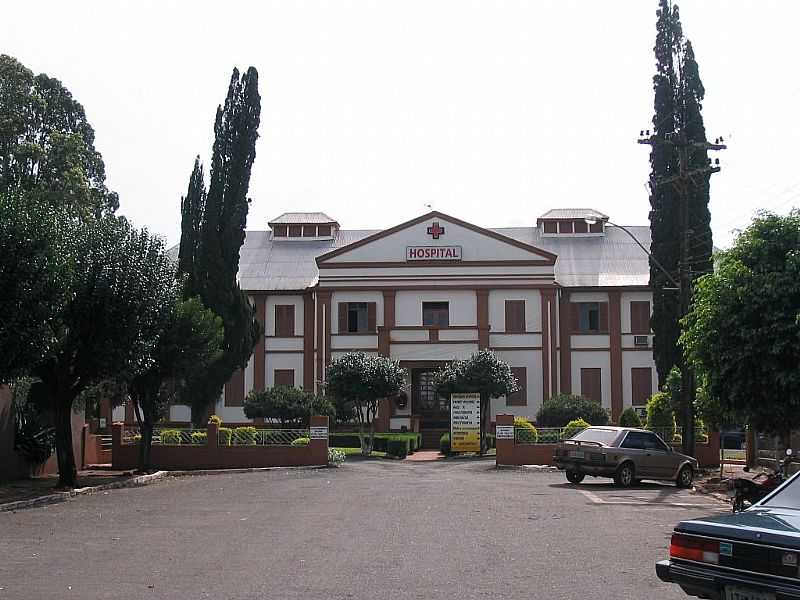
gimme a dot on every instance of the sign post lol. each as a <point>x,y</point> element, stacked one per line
<point>465,422</point>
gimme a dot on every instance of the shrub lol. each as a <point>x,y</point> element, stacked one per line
<point>215,419</point>
<point>199,437</point>
<point>225,436</point>
<point>335,457</point>
<point>244,436</point>
<point>559,410</point>
<point>170,437</point>
<point>524,431</point>
<point>660,416</point>
<point>549,436</point>
<point>397,448</point>
<point>630,418</point>
<point>574,427</point>
<point>301,441</point>
<point>137,438</point>
<point>444,443</point>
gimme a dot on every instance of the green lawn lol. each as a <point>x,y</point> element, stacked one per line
<point>357,452</point>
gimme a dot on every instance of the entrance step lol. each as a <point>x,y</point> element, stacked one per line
<point>425,456</point>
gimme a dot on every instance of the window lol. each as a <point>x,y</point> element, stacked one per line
<point>635,440</point>
<point>284,320</point>
<point>640,316</point>
<point>550,227</point>
<point>596,227</point>
<point>519,398</point>
<point>565,227</point>
<point>581,227</point>
<point>641,385</point>
<point>284,377</point>
<point>591,384</point>
<point>295,230</point>
<point>436,314</point>
<point>234,389</point>
<point>515,316</point>
<point>357,317</point>
<point>309,231</point>
<point>279,231</point>
<point>589,316</point>
<point>653,442</point>
<point>324,230</point>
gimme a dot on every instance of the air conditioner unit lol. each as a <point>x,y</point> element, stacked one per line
<point>641,340</point>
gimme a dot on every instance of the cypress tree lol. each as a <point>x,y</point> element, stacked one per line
<point>192,210</point>
<point>213,225</point>
<point>678,93</point>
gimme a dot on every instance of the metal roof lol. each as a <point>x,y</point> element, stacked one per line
<point>303,218</point>
<point>612,259</point>
<point>572,213</point>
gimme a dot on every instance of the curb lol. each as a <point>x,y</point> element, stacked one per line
<point>530,468</point>
<point>63,496</point>
<point>138,481</point>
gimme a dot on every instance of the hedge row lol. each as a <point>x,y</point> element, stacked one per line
<point>352,440</point>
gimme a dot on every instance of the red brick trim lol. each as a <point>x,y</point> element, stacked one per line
<point>565,341</point>
<point>545,349</point>
<point>615,347</point>
<point>308,342</point>
<point>259,354</point>
<point>482,298</point>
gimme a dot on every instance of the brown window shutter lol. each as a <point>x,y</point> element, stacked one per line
<point>641,385</point>
<point>284,377</point>
<point>640,316</point>
<point>372,318</point>
<point>515,316</point>
<point>550,227</point>
<point>603,316</point>
<point>342,317</point>
<point>591,384</point>
<point>234,389</point>
<point>519,398</point>
<point>574,316</point>
<point>284,320</point>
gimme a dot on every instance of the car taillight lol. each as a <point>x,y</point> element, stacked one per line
<point>692,548</point>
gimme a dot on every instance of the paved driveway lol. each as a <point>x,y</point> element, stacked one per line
<point>371,530</point>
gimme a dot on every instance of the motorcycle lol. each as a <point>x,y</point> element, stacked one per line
<point>742,490</point>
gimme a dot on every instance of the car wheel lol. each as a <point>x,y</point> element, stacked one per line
<point>625,475</point>
<point>685,477</point>
<point>575,477</point>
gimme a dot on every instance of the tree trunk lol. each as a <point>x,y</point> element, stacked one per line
<point>485,422</point>
<point>67,472</point>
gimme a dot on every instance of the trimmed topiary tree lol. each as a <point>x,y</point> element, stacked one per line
<point>574,427</point>
<point>560,409</point>
<point>661,417</point>
<point>483,373</point>
<point>524,431</point>
<point>630,418</point>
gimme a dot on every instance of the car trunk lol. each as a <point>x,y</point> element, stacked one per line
<point>758,540</point>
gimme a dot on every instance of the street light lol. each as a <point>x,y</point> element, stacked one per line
<point>593,220</point>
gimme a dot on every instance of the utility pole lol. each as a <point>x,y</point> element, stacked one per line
<point>683,183</point>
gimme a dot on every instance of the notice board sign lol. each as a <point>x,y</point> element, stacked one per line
<point>465,422</point>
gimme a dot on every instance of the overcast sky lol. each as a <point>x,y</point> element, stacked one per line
<point>492,111</point>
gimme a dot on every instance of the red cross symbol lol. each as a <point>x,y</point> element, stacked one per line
<point>435,230</point>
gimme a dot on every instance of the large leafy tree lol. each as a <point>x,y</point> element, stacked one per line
<point>190,340</point>
<point>34,273</point>
<point>289,406</point>
<point>212,233</point>
<point>47,144</point>
<point>482,373</point>
<point>358,382</point>
<point>743,330</point>
<point>120,286</point>
<point>678,95</point>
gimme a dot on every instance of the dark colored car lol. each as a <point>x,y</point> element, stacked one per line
<point>624,453</point>
<point>750,555</point>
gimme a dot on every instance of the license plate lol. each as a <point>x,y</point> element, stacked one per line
<point>733,592</point>
<point>576,453</point>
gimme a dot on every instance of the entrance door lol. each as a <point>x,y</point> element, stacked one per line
<point>433,410</point>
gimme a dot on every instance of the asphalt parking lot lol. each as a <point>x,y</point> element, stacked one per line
<point>371,530</point>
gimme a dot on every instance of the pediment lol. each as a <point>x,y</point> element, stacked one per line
<point>436,239</point>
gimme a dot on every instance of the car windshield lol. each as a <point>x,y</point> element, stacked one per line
<point>788,497</point>
<point>602,436</point>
